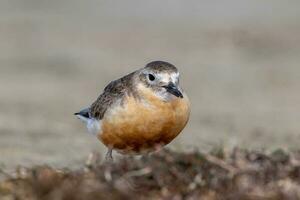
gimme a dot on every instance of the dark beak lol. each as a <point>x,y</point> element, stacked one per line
<point>172,89</point>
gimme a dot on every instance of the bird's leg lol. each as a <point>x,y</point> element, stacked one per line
<point>108,156</point>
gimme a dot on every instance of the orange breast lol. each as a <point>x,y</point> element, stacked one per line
<point>140,125</point>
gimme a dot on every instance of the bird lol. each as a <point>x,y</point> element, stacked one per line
<point>139,112</point>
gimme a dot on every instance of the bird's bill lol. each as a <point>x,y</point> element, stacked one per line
<point>172,89</point>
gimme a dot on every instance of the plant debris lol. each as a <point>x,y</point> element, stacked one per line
<point>240,174</point>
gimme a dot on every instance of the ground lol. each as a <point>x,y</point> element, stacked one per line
<point>239,174</point>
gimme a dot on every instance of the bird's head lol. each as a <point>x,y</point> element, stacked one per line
<point>163,78</point>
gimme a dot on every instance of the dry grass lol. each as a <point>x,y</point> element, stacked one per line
<point>239,174</point>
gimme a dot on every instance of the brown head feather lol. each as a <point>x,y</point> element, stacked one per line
<point>161,66</point>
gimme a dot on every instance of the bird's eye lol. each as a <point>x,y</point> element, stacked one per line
<point>151,77</point>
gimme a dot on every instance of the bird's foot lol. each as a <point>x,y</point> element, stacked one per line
<point>108,156</point>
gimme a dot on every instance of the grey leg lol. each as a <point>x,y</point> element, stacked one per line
<point>108,156</point>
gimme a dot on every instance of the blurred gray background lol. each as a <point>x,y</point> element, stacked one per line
<point>239,63</point>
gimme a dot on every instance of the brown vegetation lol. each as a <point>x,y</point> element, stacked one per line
<point>239,174</point>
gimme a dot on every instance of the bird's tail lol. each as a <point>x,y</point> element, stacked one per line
<point>83,115</point>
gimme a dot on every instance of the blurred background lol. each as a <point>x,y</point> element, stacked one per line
<point>239,63</point>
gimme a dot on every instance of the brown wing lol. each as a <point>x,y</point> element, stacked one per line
<point>112,92</point>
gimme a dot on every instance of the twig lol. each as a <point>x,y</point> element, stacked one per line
<point>140,172</point>
<point>7,175</point>
<point>232,170</point>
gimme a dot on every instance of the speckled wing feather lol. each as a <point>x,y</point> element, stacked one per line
<point>114,91</point>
